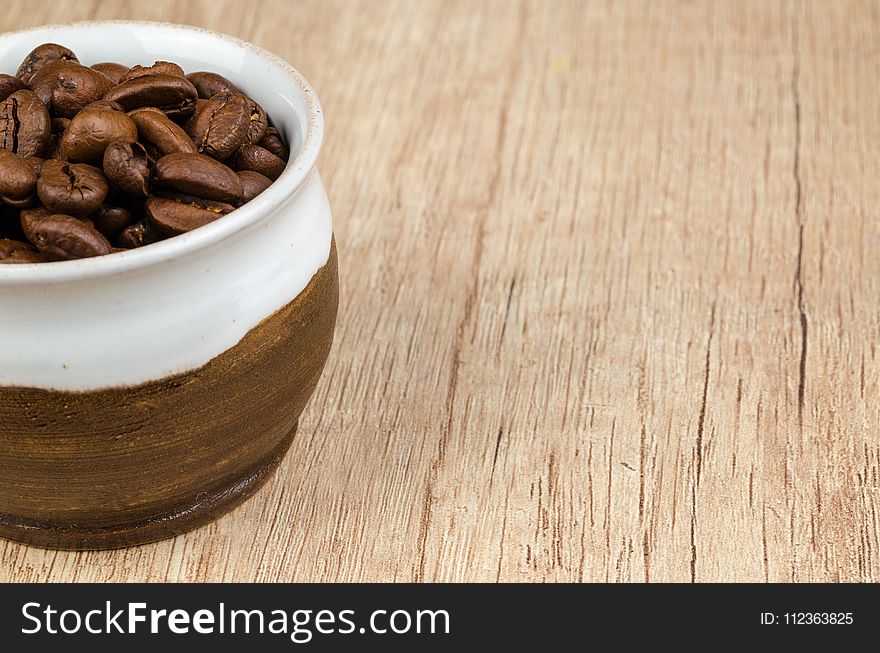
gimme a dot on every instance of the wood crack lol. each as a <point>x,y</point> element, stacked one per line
<point>497,447</point>
<point>698,447</point>
<point>506,312</point>
<point>799,216</point>
<point>701,421</point>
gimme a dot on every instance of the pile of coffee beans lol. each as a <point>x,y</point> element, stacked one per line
<point>100,159</point>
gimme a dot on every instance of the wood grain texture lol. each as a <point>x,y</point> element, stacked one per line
<point>608,297</point>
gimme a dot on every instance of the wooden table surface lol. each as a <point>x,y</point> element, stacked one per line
<point>609,297</point>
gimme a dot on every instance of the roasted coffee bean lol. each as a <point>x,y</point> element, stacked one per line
<point>177,216</point>
<point>9,85</point>
<point>158,68</point>
<point>198,175</point>
<point>209,84</point>
<point>253,183</point>
<point>25,125</point>
<point>220,125</point>
<point>73,188</point>
<point>155,127</point>
<point>114,71</point>
<point>111,220</point>
<point>273,142</point>
<point>66,87</point>
<point>91,131</point>
<point>258,159</point>
<point>127,166</point>
<point>169,93</point>
<point>258,124</point>
<point>18,181</point>
<point>40,56</point>
<point>16,251</point>
<point>62,236</point>
<point>137,235</point>
<point>175,152</point>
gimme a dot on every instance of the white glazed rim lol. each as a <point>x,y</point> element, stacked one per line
<point>287,184</point>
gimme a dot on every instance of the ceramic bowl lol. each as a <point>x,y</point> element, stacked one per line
<point>147,392</point>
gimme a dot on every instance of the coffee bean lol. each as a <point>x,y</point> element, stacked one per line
<point>16,251</point>
<point>73,188</point>
<point>198,175</point>
<point>114,71</point>
<point>18,181</point>
<point>177,216</point>
<point>258,124</point>
<point>111,220</point>
<point>158,68</point>
<point>91,131</point>
<point>209,84</point>
<point>9,85</point>
<point>155,127</point>
<point>273,142</point>
<point>40,56</point>
<point>159,137</point>
<point>66,87</point>
<point>25,125</point>
<point>137,235</point>
<point>258,159</point>
<point>173,95</point>
<point>253,183</point>
<point>220,125</point>
<point>62,236</point>
<point>127,166</point>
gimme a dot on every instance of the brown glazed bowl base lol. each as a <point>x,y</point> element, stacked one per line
<point>207,507</point>
<point>126,466</point>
